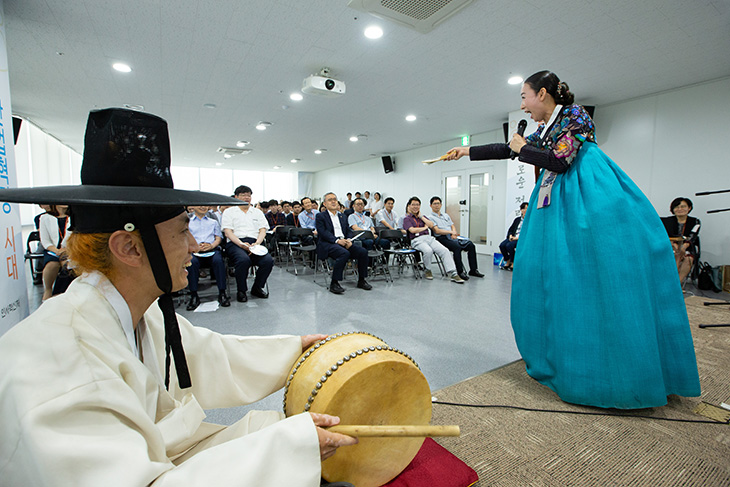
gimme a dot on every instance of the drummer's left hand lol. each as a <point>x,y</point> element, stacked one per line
<point>517,143</point>
<point>309,340</point>
<point>329,442</point>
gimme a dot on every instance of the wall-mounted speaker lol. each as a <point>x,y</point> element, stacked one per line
<point>388,164</point>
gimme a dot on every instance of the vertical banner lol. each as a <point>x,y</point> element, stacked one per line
<point>13,294</point>
<point>520,175</point>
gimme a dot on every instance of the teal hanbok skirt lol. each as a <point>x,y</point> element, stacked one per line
<point>597,308</point>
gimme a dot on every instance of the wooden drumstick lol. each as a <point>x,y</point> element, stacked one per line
<point>364,431</point>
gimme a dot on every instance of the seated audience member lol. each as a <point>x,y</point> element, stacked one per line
<point>684,231</point>
<point>360,222</point>
<point>418,229</point>
<point>368,201</point>
<point>387,217</point>
<point>245,227</point>
<point>335,242</point>
<point>54,232</point>
<point>275,217</point>
<point>306,217</point>
<point>286,208</point>
<point>37,218</point>
<point>508,247</point>
<point>445,232</point>
<point>348,201</point>
<point>207,233</point>
<point>376,205</point>
<point>292,218</point>
<point>90,394</point>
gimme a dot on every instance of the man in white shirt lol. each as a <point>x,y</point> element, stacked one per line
<point>245,227</point>
<point>445,232</point>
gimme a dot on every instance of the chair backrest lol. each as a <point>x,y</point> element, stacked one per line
<point>300,232</point>
<point>34,236</point>
<point>281,233</point>
<point>396,237</point>
<point>364,235</point>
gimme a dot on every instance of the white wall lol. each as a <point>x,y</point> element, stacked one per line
<point>671,144</point>
<point>675,144</point>
<point>413,178</point>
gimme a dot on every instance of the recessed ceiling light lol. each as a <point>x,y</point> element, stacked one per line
<point>219,163</point>
<point>277,167</point>
<point>410,118</point>
<point>263,125</point>
<point>515,80</point>
<point>242,143</point>
<point>373,32</point>
<point>319,151</point>
<point>121,67</point>
<point>353,138</point>
<point>227,155</point>
<point>209,105</point>
<point>294,161</point>
<point>296,97</point>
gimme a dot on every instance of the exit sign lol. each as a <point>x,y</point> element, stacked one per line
<point>465,140</point>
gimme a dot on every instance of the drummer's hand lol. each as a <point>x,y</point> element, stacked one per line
<point>517,143</point>
<point>329,442</point>
<point>457,153</point>
<point>309,340</point>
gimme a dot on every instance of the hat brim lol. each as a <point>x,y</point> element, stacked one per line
<point>114,195</point>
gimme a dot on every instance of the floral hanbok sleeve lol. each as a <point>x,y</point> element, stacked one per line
<point>557,152</point>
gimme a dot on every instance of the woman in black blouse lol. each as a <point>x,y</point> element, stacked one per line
<point>683,230</point>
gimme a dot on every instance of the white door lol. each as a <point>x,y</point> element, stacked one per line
<point>466,200</point>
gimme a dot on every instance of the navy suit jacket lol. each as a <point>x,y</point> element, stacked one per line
<point>326,231</point>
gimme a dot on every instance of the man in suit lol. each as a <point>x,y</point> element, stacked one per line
<point>335,241</point>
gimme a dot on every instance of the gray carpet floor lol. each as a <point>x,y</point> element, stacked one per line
<point>510,447</point>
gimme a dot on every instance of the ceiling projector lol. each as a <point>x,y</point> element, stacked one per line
<point>322,85</point>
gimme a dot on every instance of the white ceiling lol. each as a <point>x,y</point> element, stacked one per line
<point>247,56</point>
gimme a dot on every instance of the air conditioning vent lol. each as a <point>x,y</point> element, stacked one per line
<point>420,15</point>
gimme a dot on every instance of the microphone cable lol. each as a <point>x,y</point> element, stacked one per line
<point>585,413</point>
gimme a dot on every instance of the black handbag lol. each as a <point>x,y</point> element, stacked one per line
<point>705,279</point>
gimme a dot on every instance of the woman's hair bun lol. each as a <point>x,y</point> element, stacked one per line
<point>563,94</point>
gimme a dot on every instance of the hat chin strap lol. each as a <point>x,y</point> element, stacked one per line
<point>173,340</point>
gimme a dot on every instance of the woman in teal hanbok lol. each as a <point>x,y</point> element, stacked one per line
<point>598,328</point>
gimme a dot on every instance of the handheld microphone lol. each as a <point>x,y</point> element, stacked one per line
<point>520,131</point>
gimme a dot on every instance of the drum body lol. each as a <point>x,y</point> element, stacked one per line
<point>359,378</point>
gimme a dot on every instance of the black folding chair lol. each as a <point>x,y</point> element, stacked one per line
<point>301,242</point>
<point>401,251</point>
<point>34,254</point>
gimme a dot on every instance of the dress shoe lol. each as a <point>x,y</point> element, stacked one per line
<point>194,302</point>
<point>363,284</point>
<point>259,293</point>
<point>241,296</point>
<point>463,276</point>
<point>335,288</point>
<point>476,273</point>
<point>224,299</point>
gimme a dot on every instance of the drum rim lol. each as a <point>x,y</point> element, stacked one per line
<point>334,367</point>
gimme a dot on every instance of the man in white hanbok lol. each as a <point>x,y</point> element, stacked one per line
<point>88,395</point>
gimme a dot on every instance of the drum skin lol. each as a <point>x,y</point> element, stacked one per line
<point>359,378</point>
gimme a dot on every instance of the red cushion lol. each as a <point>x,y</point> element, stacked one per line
<point>435,466</point>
